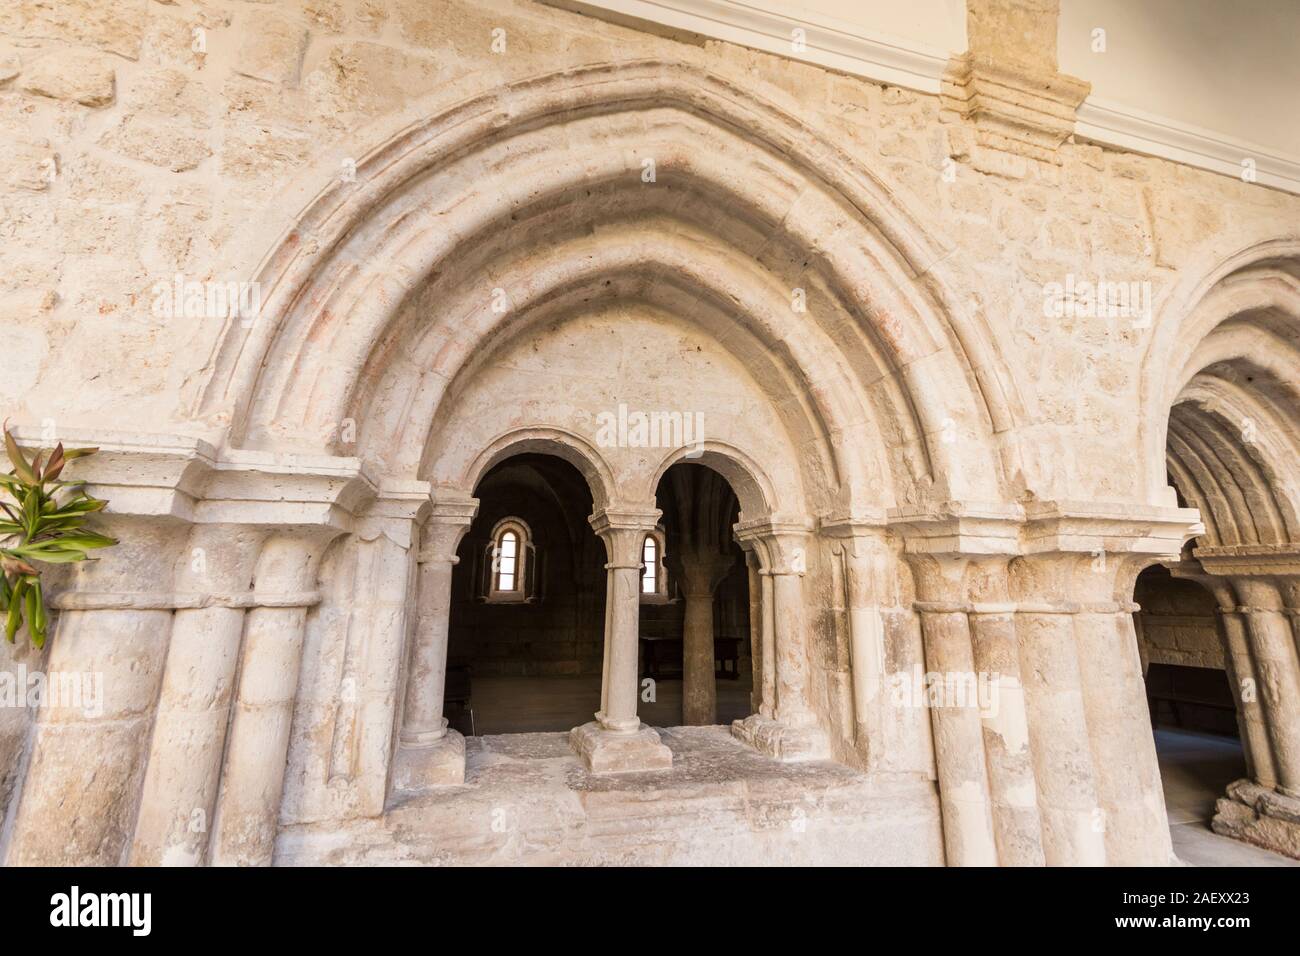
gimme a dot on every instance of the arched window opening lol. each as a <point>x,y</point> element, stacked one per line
<point>509,563</point>
<point>505,560</point>
<point>650,566</point>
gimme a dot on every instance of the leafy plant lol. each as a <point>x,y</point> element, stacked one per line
<point>44,524</point>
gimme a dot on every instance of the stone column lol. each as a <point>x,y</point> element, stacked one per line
<point>363,709</point>
<point>950,678</point>
<point>1119,724</point>
<point>248,807</point>
<point>430,754</point>
<point>1069,805</point>
<point>104,669</point>
<point>1017,826</point>
<point>1240,667</point>
<point>759,671</point>
<point>1099,790</point>
<point>616,741</point>
<point>1245,681</point>
<point>699,687</point>
<point>184,769</point>
<point>791,731</point>
<point>1273,649</point>
<point>1259,590</point>
<point>701,570</point>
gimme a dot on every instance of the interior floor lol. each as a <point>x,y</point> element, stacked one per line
<point>526,799</point>
<point>520,705</point>
<point>1195,768</point>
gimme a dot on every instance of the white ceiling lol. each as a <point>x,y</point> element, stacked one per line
<point>1206,82</point>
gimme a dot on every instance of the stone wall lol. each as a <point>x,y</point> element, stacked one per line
<point>144,140</point>
<point>1177,623</point>
<point>473,228</point>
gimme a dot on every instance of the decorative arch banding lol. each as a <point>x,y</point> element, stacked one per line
<point>1230,427</point>
<point>858,239</point>
<point>572,448</point>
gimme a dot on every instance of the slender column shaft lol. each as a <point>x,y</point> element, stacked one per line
<point>1274,652</point>
<point>1245,689</point>
<point>427,684</point>
<point>1136,826</point>
<point>365,700</point>
<point>699,687</point>
<point>792,706</point>
<point>959,746</point>
<point>767,706</point>
<point>755,631</point>
<point>1017,826</point>
<point>253,784</point>
<point>1068,803</point>
<point>622,640</point>
<point>184,772</point>
<point>623,532</point>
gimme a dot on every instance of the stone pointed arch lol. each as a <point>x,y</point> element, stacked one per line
<point>754,489</point>
<point>463,474</point>
<point>1221,402</point>
<point>361,250</point>
<point>1224,349</point>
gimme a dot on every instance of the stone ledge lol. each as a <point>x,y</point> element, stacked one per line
<point>606,751</point>
<point>1259,816</point>
<point>419,768</point>
<point>781,742</point>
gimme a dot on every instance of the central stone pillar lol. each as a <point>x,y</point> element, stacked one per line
<point>1258,590</point>
<point>950,691</point>
<point>616,741</point>
<point>1274,651</point>
<point>257,748</point>
<point>180,788</point>
<point>790,731</point>
<point>701,570</point>
<point>429,754</point>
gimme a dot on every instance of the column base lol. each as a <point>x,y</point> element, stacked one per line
<point>607,751</point>
<point>420,767</point>
<point>1258,815</point>
<point>781,741</point>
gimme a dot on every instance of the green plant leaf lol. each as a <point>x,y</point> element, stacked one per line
<point>37,621</point>
<point>21,468</point>
<point>56,463</point>
<point>14,617</point>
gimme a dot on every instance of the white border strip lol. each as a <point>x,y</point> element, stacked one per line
<point>840,46</point>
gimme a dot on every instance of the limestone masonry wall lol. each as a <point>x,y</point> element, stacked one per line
<point>308,270</point>
<point>140,140</point>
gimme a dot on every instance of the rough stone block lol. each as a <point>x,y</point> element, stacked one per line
<point>271,47</point>
<point>780,741</point>
<point>604,751</point>
<point>74,75</point>
<point>438,764</point>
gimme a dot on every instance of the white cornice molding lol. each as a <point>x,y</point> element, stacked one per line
<point>829,43</point>
<point>849,49</point>
<point>1114,124</point>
